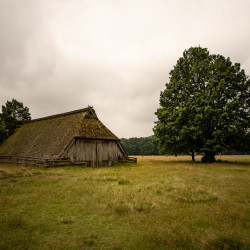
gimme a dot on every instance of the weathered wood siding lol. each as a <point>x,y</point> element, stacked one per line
<point>94,152</point>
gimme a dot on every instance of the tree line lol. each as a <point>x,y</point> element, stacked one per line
<point>140,146</point>
<point>147,146</point>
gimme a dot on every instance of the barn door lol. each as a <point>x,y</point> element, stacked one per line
<point>102,153</point>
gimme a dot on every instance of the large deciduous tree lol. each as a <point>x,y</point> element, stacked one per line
<point>14,113</point>
<point>205,107</point>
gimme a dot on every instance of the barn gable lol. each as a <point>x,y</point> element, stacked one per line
<point>52,137</point>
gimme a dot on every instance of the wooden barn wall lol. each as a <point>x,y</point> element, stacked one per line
<point>94,152</point>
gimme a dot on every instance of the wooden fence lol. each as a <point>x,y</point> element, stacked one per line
<point>58,161</point>
<point>129,159</point>
<point>35,161</point>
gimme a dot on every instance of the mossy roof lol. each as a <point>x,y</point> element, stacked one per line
<point>48,137</point>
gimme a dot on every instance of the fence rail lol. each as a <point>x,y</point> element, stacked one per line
<point>129,159</point>
<point>35,160</point>
<point>59,161</point>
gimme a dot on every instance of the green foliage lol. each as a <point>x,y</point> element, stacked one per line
<point>3,131</point>
<point>14,113</point>
<point>140,146</point>
<point>205,106</point>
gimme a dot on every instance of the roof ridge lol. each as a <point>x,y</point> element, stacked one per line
<point>62,114</point>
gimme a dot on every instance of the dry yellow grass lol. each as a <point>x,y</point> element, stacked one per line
<point>162,202</point>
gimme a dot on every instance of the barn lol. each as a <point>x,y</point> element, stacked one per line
<point>76,137</point>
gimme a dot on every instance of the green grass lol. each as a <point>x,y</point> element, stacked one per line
<point>162,202</point>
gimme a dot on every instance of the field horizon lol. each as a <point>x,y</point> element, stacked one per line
<point>161,202</point>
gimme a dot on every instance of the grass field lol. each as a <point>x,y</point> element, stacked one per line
<point>162,202</point>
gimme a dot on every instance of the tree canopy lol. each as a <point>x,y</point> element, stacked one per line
<point>205,106</point>
<point>3,131</point>
<point>14,113</point>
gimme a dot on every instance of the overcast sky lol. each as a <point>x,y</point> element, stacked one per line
<point>115,55</point>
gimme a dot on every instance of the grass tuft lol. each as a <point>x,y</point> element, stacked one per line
<point>226,243</point>
<point>89,240</point>
<point>67,221</point>
<point>123,207</point>
<point>123,182</point>
<point>196,196</point>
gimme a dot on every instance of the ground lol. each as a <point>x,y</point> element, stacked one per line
<point>161,202</point>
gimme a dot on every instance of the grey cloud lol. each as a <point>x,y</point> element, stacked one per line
<point>57,56</point>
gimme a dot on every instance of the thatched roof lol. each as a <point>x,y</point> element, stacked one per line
<point>48,137</point>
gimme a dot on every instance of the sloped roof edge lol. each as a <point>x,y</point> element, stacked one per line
<point>62,114</point>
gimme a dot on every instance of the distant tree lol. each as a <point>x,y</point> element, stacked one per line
<point>140,146</point>
<point>14,113</point>
<point>205,106</point>
<point>3,131</point>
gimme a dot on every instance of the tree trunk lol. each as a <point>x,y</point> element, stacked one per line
<point>193,156</point>
<point>209,157</point>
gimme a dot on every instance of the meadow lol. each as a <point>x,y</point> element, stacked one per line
<point>163,202</point>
